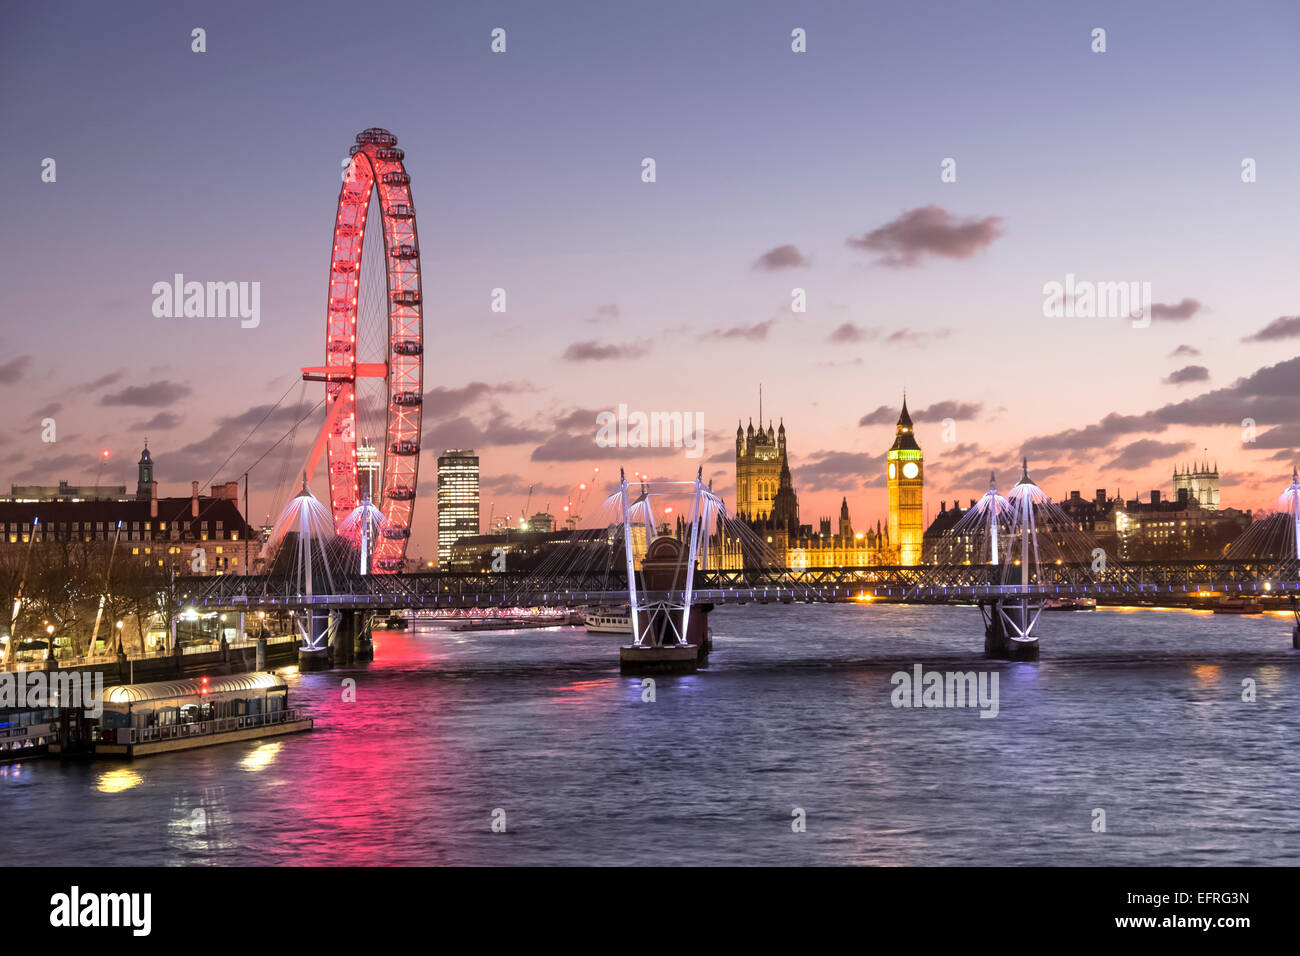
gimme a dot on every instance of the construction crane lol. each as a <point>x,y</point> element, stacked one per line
<point>523,517</point>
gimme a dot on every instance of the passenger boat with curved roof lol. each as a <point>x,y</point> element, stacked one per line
<point>143,719</point>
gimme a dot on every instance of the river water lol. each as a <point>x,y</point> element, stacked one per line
<point>1137,713</point>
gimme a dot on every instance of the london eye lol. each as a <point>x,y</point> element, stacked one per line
<point>374,347</point>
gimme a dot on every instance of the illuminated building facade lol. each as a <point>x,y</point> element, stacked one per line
<point>905,477</point>
<point>368,472</point>
<point>1199,483</point>
<point>458,500</point>
<point>761,468</point>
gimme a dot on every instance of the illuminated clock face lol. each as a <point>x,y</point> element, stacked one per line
<point>911,470</point>
<point>893,470</point>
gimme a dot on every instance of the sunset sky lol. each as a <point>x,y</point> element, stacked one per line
<point>775,170</point>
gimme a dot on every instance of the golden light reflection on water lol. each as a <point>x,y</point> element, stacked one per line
<point>115,781</point>
<point>1269,678</point>
<point>261,757</point>
<point>1207,673</point>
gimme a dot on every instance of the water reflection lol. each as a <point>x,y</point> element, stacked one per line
<point>259,758</point>
<point>117,781</point>
<point>1141,714</point>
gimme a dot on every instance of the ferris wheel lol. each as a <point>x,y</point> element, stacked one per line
<point>374,347</point>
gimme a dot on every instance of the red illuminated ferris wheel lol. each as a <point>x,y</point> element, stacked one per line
<point>374,346</point>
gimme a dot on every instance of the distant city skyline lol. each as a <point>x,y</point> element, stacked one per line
<point>821,171</point>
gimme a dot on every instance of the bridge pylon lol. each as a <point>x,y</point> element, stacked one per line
<point>669,629</point>
<point>1011,618</point>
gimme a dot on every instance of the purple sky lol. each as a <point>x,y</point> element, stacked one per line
<point>774,170</point>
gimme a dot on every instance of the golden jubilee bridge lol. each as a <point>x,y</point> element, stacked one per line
<point>1162,583</point>
<point>1014,556</point>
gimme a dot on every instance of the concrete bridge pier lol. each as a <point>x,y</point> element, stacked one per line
<point>365,645</point>
<point>343,645</point>
<point>1009,629</point>
<point>1295,633</point>
<point>315,653</point>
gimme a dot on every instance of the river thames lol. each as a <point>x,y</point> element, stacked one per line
<point>1138,713</point>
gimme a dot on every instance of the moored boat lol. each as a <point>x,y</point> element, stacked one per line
<point>143,719</point>
<point>1238,605</point>
<point>25,731</point>
<point>609,621</point>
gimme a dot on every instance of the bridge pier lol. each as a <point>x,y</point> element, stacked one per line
<point>345,636</point>
<point>666,639</point>
<point>1008,629</point>
<point>365,644</point>
<point>1295,633</point>
<point>315,654</point>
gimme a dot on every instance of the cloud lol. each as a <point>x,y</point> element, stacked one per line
<point>1147,451</point>
<point>1188,373</point>
<point>1185,351</point>
<point>514,484</point>
<point>572,437</point>
<point>12,371</point>
<point>1283,327</point>
<point>207,452</point>
<point>103,381</point>
<point>464,432</point>
<point>444,401</point>
<point>149,396</point>
<point>883,415</point>
<point>64,464</point>
<point>1266,395</point>
<point>1181,312</point>
<point>782,257</point>
<point>888,414</point>
<point>593,351</point>
<point>750,333</point>
<point>1286,435</point>
<point>826,470</point>
<point>915,336</point>
<point>928,231</point>
<point>608,311</point>
<point>848,333</point>
<point>160,422</point>
<point>959,411</point>
<point>582,447</point>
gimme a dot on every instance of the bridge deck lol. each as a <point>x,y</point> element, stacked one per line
<point>1174,582</point>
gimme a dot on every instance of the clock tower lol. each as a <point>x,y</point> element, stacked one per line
<point>144,487</point>
<point>905,476</point>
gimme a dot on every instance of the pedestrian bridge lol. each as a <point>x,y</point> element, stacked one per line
<point>1168,582</point>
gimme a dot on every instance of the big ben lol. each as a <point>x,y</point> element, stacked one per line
<point>906,478</point>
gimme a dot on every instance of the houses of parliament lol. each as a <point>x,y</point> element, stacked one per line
<point>767,503</point>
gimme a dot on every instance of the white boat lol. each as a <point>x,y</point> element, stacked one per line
<point>608,621</point>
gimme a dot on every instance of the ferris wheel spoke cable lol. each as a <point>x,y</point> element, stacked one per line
<point>250,434</point>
